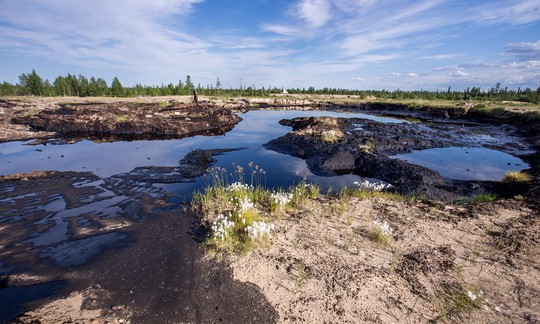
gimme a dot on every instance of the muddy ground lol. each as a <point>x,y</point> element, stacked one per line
<point>112,120</point>
<point>365,147</point>
<point>115,251</point>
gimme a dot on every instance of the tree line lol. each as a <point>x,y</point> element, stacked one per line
<point>81,86</point>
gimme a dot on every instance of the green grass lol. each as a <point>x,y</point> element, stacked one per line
<point>379,237</point>
<point>457,301</point>
<point>516,176</point>
<point>370,194</point>
<point>483,198</point>
<point>301,275</point>
<point>368,147</point>
<point>239,215</point>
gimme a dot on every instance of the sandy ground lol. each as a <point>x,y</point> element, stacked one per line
<point>324,266</point>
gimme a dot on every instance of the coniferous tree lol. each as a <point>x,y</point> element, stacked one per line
<point>102,87</point>
<point>31,83</point>
<point>189,85</point>
<point>116,88</point>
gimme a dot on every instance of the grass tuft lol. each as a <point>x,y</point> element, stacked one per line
<point>331,136</point>
<point>516,176</point>
<point>121,119</point>
<point>457,301</point>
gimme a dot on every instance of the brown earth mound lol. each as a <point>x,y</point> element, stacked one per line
<point>131,120</point>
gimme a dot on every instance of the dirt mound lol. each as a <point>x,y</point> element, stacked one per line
<point>131,120</point>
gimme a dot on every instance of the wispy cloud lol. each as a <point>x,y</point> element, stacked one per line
<point>458,74</point>
<point>524,51</point>
<point>514,12</point>
<point>115,33</point>
<point>340,43</point>
<point>440,57</point>
<point>314,12</point>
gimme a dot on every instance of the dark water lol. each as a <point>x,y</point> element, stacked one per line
<point>108,159</point>
<point>257,128</point>
<point>466,163</point>
<point>11,298</point>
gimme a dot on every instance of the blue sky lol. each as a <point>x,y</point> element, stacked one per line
<point>354,44</point>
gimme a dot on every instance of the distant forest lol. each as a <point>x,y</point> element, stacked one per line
<point>72,85</point>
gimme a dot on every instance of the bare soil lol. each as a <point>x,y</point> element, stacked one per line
<point>324,265</point>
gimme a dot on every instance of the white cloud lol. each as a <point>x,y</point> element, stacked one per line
<point>315,12</point>
<point>358,79</point>
<point>510,11</point>
<point>115,34</point>
<point>524,50</point>
<point>395,74</point>
<point>458,74</point>
<point>412,74</point>
<point>440,57</point>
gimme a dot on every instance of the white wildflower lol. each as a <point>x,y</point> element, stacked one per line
<point>372,186</point>
<point>384,227</point>
<point>237,186</point>
<point>220,226</point>
<point>281,198</point>
<point>259,229</point>
<point>244,205</point>
<point>471,295</point>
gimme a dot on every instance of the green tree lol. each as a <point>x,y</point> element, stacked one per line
<point>189,85</point>
<point>61,87</point>
<point>32,83</point>
<point>74,85</point>
<point>116,88</point>
<point>84,86</point>
<point>102,87</point>
<point>7,89</point>
<point>93,89</point>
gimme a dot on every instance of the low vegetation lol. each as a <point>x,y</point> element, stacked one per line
<point>239,211</point>
<point>456,302</point>
<point>331,136</point>
<point>487,197</point>
<point>516,176</point>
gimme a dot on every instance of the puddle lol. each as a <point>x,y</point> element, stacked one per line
<point>12,299</point>
<point>465,163</point>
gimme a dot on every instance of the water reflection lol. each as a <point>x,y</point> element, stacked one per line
<point>464,163</point>
<point>107,159</point>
